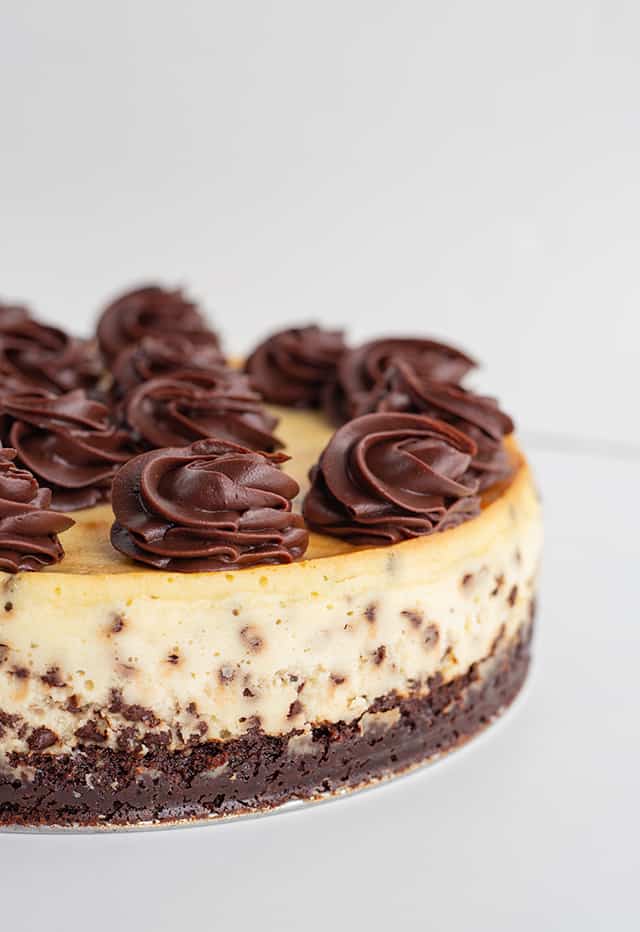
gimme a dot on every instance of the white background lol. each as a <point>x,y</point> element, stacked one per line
<point>465,169</point>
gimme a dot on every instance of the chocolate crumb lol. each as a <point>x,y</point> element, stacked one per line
<point>72,705</point>
<point>513,595</point>
<point>117,624</point>
<point>499,584</point>
<point>20,673</point>
<point>294,709</point>
<point>4,652</point>
<point>338,679</point>
<point>192,708</point>
<point>41,738</point>
<point>173,658</point>
<point>467,579</point>
<point>246,692</point>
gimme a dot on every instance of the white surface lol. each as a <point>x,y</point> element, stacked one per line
<point>465,168</point>
<point>533,828</point>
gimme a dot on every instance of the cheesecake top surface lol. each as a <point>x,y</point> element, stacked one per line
<point>90,553</point>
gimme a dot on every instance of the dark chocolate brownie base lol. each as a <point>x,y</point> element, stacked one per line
<point>257,772</point>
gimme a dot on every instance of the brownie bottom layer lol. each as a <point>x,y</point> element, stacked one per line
<point>258,772</point>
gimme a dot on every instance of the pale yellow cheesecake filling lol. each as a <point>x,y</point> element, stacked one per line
<point>131,652</point>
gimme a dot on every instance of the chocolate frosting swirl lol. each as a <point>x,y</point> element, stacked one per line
<point>383,478</point>
<point>361,370</point>
<point>144,312</point>
<point>163,354</point>
<point>293,367</point>
<point>476,416</point>
<point>69,443</point>
<point>192,405</point>
<point>28,527</point>
<point>43,357</point>
<point>208,506</point>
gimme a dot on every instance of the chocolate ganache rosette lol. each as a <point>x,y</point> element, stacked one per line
<point>294,366</point>
<point>44,357</point>
<point>208,506</point>
<point>163,354</point>
<point>68,442</point>
<point>28,527</point>
<point>144,312</point>
<point>362,369</point>
<point>477,416</point>
<point>192,405</point>
<point>383,478</point>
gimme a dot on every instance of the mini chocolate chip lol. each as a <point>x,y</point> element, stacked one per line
<point>431,636</point>
<point>8,606</point>
<point>513,595</point>
<point>226,674</point>
<point>52,677</point>
<point>246,692</point>
<point>338,679</point>
<point>294,709</point>
<point>416,618</point>
<point>379,654</point>
<point>235,612</point>
<point>173,658</point>
<point>467,579</point>
<point>41,738</point>
<point>252,638</point>
<point>118,624</point>
<point>370,612</point>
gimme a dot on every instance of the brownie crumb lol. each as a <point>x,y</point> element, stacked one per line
<point>90,732</point>
<point>41,738</point>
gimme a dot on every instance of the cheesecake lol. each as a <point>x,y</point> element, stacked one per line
<point>135,694</point>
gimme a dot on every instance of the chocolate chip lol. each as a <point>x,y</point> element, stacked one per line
<point>52,677</point>
<point>252,638</point>
<point>173,658</point>
<point>192,708</point>
<point>8,606</point>
<point>513,595</point>
<point>118,624</point>
<point>431,636</point>
<point>73,705</point>
<point>379,654</point>
<point>41,738</point>
<point>467,579</point>
<point>416,618</point>
<point>226,674</point>
<point>246,692</point>
<point>338,679</point>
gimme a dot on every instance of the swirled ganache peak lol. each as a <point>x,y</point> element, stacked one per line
<point>191,405</point>
<point>42,356</point>
<point>28,527</point>
<point>143,312</point>
<point>292,367</point>
<point>68,442</point>
<point>361,369</point>
<point>403,389</point>
<point>162,354</point>
<point>384,478</point>
<point>208,506</point>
